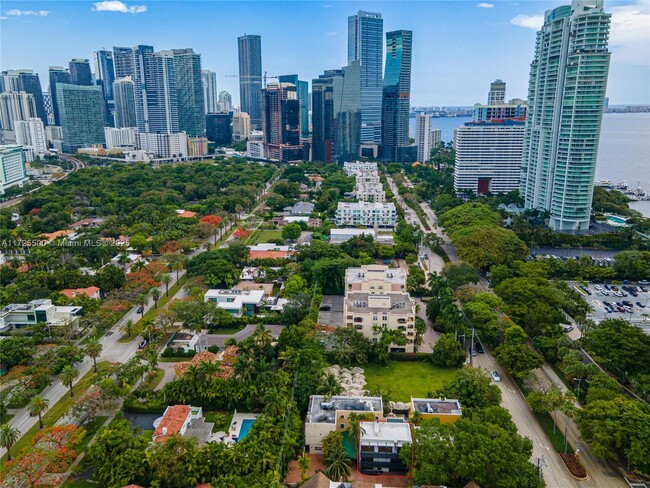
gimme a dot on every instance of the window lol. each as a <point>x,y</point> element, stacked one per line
<point>341,426</point>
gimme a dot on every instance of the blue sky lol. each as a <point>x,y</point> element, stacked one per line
<point>459,47</point>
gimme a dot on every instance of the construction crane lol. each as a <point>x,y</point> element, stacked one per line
<point>266,75</point>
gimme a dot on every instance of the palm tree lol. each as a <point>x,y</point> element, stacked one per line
<point>68,377</point>
<point>304,463</point>
<point>37,405</point>
<point>142,300</point>
<point>338,465</point>
<point>330,386</point>
<point>8,437</point>
<point>238,210</point>
<point>128,327</point>
<point>155,294</point>
<point>262,338</point>
<point>274,403</point>
<point>166,279</point>
<point>94,350</point>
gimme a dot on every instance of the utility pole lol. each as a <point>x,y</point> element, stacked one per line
<point>471,348</point>
<point>541,464</point>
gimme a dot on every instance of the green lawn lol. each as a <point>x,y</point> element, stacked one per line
<point>151,314</point>
<point>151,384</point>
<point>546,421</point>
<point>262,236</point>
<point>215,416</point>
<point>408,379</point>
<point>57,410</point>
<point>225,331</point>
<point>91,429</point>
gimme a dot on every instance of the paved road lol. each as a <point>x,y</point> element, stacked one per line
<point>220,339</point>
<point>113,350</point>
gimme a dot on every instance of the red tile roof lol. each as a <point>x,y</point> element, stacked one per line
<point>187,214</point>
<point>73,292</point>
<point>59,233</point>
<point>269,254</point>
<point>174,418</point>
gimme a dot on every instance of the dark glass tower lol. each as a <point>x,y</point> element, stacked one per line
<point>189,92</point>
<point>250,77</point>
<point>322,116</point>
<point>281,122</point>
<point>80,72</point>
<point>396,94</point>
<point>302,89</point>
<point>123,62</point>
<point>57,75</point>
<point>124,103</point>
<point>365,44</point>
<point>81,110</point>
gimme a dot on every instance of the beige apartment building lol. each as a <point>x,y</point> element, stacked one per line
<point>376,299</point>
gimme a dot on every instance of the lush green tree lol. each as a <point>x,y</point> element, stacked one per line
<point>469,215</point>
<point>128,327</point>
<point>68,376</point>
<point>338,465</point>
<point>632,265</point>
<point>489,246</point>
<point>473,388</point>
<point>8,437</point>
<point>172,462</point>
<point>291,231</point>
<point>459,273</point>
<point>332,442</point>
<point>415,279</point>
<point>295,285</point>
<point>36,406</point>
<point>448,352</point>
<point>518,360</point>
<point>118,454</point>
<point>93,350</point>
<point>330,386</point>
<point>297,308</point>
<point>350,346</point>
<point>304,463</point>
<point>514,335</point>
<point>16,351</point>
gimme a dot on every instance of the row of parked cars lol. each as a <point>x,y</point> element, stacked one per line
<point>607,289</point>
<point>623,306</point>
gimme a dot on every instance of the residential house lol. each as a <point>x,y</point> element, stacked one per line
<point>237,302</point>
<point>270,251</point>
<point>184,420</point>
<point>89,223</point>
<point>19,315</point>
<point>339,236</point>
<point>446,410</point>
<point>90,292</point>
<point>380,444</point>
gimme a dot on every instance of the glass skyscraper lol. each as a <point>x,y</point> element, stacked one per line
<point>81,110</point>
<point>105,72</point>
<point>80,72</point>
<point>365,44</point>
<point>28,81</point>
<point>189,92</point>
<point>566,93</point>
<point>250,77</point>
<point>123,91</point>
<point>210,100</point>
<point>123,62</point>
<point>57,75</point>
<point>161,95</point>
<point>396,93</point>
<point>302,89</point>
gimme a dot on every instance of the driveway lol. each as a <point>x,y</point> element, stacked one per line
<point>220,339</point>
<point>333,316</point>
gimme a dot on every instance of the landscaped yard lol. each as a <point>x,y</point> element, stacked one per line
<point>408,379</point>
<point>221,420</point>
<point>262,236</point>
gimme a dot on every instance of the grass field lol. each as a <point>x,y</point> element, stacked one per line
<point>57,410</point>
<point>408,379</point>
<point>546,421</point>
<point>221,419</point>
<point>262,236</point>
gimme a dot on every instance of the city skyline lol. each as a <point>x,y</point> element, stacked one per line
<point>312,37</point>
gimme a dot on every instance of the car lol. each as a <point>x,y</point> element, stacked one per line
<point>605,293</point>
<point>567,328</point>
<point>618,294</point>
<point>325,308</point>
<point>634,293</point>
<point>621,309</point>
<point>479,348</point>
<point>628,309</point>
<point>473,351</point>
<point>608,287</point>
<point>614,288</point>
<point>644,282</point>
<point>140,309</point>
<point>627,303</point>
<point>608,310</point>
<point>495,376</point>
<point>626,282</point>
<point>142,344</point>
<point>598,287</point>
<point>640,305</point>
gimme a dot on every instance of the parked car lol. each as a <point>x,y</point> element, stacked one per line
<point>479,348</point>
<point>568,328</point>
<point>605,292</point>
<point>140,309</point>
<point>495,376</point>
<point>143,344</point>
<point>640,305</point>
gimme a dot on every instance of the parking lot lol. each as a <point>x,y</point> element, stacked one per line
<point>619,302</point>
<point>331,311</point>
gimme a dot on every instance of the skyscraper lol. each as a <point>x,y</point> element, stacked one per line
<point>161,94</point>
<point>396,95</point>
<point>189,92</point>
<point>27,81</point>
<point>31,135</point>
<point>302,89</point>
<point>81,109</point>
<point>105,74</point>
<point>15,106</point>
<point>218,128</point>
<point>241,126</point>
<point>209,80</point>
<point>497,93</point>
<point>12,167</point>
<point>57,75</point>
<point>322,116</point>
<point>568,79</point>
<point>123,91</point>
<point>225,101</point>
<point>423,138</point>
<point>123,62</point>
<point>141,62</point>
<point>281,122</point>
<point>365,44</point>
<point>250,77</point>
<point>80,72</point>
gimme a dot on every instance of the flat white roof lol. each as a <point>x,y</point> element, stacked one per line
<point>375,272</point>
<point>385,432</point>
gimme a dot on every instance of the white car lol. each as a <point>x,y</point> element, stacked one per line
<point>495,376</point>
<point>605,292</point>
<point>598,287</point>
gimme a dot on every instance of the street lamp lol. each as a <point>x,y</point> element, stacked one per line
<point>541,464</point>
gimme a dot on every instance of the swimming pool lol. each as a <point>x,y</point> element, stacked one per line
<point>246,425</point>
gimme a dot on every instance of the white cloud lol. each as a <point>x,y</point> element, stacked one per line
<point>117,6</point>
<point>17,13</point>
<point>333,33</point>
<point>485,5</point>
<point>533,22</point>
<point>629,38</point>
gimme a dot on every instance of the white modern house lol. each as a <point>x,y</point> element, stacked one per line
<point>19,315</point>
<point>237,302</point>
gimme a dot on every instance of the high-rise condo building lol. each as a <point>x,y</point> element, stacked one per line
<point>497,94</point>
<point>225,102</point>
<point>568,78</point>
<point>57,75</point>
<point>241,127</point>
<point>81,109</point>
<point>397,95</point>
<point>125,113</point>
<point>189,92</point>
<point>15,106</point>
<point>281,122</point>
<point>218,128</point>
<point>161,94</point>
<point>488,156</point>
<point>302,89</point>
<point>105,74</point>
<point>27,81</point>
<point>210,100</point>
<point>123,62</point>
<point>426,138</point>
<point>250,77</point>
<point>322,116</point>
<point>365,44</point>
<point>31,135</point>
<point>12,167</point>
<point>80,72</point>
<point>141,64</point>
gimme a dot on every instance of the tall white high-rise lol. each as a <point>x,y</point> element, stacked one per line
<point>12,167</point>
<point>125,111</point>
<point>15,106</point>
<point>241,126</point>
<point>566,94</point>
<point>422,136</point>
<point>209,81</point>
<point>30,134</point>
